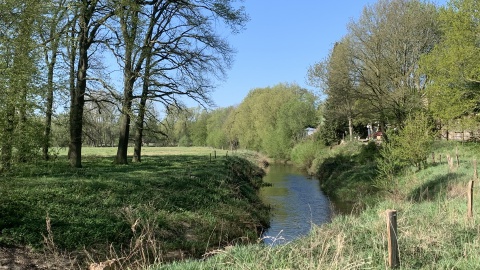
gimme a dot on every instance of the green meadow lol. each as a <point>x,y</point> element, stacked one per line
<point>177,203</point>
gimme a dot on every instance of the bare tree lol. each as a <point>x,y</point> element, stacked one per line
<point>91,17</point>
<point>184,50</point>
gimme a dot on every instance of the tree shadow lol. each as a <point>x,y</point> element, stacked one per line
<point>431,190</point>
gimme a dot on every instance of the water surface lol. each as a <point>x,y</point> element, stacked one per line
<point>297,202</point>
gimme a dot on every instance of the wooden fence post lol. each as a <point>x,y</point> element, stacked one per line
<point>393,256</point>
<point>215,153</point>
<point>450,163</point>
<point>456,156</point>
<point>475,172</point>
<point>210,157</point>
<point>433,157</point>
<point>470,199</point>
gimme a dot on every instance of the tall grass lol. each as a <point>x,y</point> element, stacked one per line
<point>433,229</point>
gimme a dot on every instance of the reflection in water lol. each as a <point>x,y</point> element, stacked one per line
<point>296,200</point>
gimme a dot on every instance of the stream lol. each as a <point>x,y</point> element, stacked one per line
<point>297,202</point>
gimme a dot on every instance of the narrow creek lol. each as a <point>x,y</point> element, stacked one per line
<point>297,202</point>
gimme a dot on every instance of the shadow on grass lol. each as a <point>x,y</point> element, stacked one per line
<point>86,206</point>
<point>431,190</point>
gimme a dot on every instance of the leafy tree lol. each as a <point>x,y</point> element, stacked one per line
<point>387,43</point>
<point>56,23</point>
<point>272,119</point>
<point>335,76</point>
<point>199,128</point>
<point>216,132</point>
<point>19,85</point>
<point>452,67</point>
<point>412,144</point>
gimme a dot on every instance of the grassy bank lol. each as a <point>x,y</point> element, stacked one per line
<point>433,229</point>
<point>177,203</point>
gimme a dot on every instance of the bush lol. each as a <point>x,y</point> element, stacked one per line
<point>304,153</point>
<point>410,146</point>
<point>185,141</point>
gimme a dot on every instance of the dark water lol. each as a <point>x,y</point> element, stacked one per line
<point>297,202</point>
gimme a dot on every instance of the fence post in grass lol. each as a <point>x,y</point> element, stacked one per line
<point>215,153</point>
<point>470,199</point>
<point>210,157</point>
<point>226,155</point>
<point>393,256</point>
<point>456,156</point>
<point>433,157</point>
<point>475,172</point>
<point>450,163</point>
<point>440,159</point>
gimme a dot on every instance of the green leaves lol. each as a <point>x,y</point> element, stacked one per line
<point>272,119</point>
<point>453,65</point>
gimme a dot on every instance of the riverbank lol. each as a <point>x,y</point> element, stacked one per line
<point>434,231</point>
<point>175,205</point>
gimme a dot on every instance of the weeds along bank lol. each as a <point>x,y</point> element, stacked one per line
<point>346,172</point>
<point>167,207</point>
<point>434,231</point>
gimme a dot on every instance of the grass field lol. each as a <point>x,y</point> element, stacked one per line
<point>151,151</point>
<point>177,203</point>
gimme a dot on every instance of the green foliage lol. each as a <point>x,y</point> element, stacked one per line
<point>452,66</point>
<point>413,143</point>
<point>195,204</point>
<point>304,153</point>
<point>410,147</point>
<point>347,172</point>
<point>273,119</point>
<point>184,141</point>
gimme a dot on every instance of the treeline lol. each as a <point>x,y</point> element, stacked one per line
<point>271,120</point>
<point>401,58</point>
<point>62,60</point>
<point>113,73</point>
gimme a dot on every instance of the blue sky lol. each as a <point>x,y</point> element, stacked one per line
<point>281,40</point>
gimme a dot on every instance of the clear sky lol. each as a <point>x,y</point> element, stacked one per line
<point>282,39</point>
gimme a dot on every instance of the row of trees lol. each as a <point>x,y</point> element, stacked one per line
<point>400,57</point>
<point>271,120</point>
<point>56,49</point>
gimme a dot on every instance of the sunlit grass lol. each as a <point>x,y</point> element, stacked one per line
<point>154,151</point>
<point>433,229</point>
<point>192,203</point>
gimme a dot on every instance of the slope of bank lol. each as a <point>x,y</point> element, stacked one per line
<point>167,207</point>
<point>434,231</point>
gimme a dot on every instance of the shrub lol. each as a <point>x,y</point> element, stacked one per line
<point>304,153</point>
<point>410,146</point>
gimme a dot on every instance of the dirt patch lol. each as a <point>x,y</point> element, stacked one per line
<point>20,258</point>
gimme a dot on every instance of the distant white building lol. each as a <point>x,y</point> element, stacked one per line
<point>309,131</point>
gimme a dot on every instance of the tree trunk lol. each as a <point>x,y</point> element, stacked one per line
<point>350,128</point>
<point>7,140</point>
<point>73,59</point>
<point>129,33</point>
<point>49,106</point>
<point>77,101</point>
<point>121,157</point>
<point>77,94</point>
<point>139,124</point>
